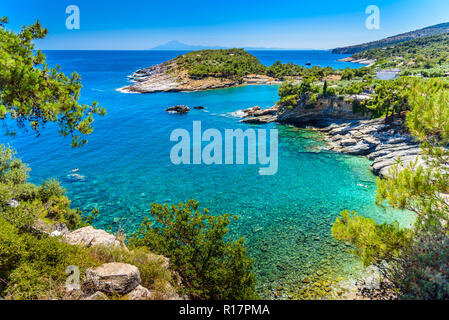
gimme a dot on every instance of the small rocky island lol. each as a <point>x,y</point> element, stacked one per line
<point>201,70</point>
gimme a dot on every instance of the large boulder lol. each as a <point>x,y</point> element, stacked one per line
<point>88,236</point>
<point>112,278</point>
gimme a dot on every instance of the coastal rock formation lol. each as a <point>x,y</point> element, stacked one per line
<point>325,110</point>
<point>384,143</point>
<point>162,78</point>
<point>167,77</point>
<point>88,236</point>
<point>112,278</point>
<point>322,112</point>
<point>260,79</point>
<point>178,109</point>
<point>256,115</point>
<point>200,70</point>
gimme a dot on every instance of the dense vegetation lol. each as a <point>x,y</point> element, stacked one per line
<point>383,43</point>
<point>237,63</point>
<point>210,266</point>
<point>229,63</point>
<point>414,261</point>
<point>427,56</point>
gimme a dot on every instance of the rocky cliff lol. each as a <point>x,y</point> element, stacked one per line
<point>322,112</point>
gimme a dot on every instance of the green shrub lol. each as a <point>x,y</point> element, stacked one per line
<point>32,268</point>
<point>11,249</point>
<point>291,100</point>
<point>422,272</point>
<point>210,266</point>
<point>372,242</point>
<point>50,188</point>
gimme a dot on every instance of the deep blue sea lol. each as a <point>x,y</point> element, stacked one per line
<point>285,218</point>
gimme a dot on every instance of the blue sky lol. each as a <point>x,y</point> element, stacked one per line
<point>295,24</point>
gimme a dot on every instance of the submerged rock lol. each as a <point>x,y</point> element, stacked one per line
<point>74,177</point>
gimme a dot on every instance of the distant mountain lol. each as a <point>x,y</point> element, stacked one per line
<point>429,31</point>
<point>176,45</point>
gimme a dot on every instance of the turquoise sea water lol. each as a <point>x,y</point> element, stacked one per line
<point>285,218</point>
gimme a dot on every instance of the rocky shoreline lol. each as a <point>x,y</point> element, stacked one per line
<point>168,77</point>
<point>367,62</point>
<point>383,142</point>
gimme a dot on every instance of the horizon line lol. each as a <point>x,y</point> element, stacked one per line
<point>250,49</point>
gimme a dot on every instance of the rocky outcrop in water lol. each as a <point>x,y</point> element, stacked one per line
<point>178,109</point>
<point>324,111</point>
<point>256,115</point>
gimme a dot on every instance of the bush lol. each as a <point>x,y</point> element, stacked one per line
<point>47,201</point>
<point>210,266</point>
<point>373,242</point>
<point>422,272</point>
<point>291,100</point>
